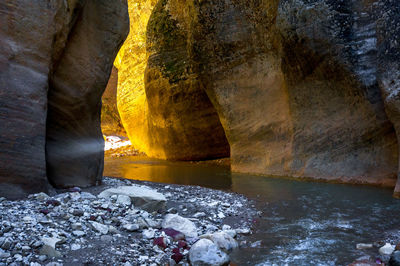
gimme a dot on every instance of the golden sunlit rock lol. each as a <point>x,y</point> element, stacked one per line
<point>163,107</point>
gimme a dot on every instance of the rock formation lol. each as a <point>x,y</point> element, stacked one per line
<point>388,44</point>
<point>64,49</point>
<point>166,113</point>
<point>295,84</point>
<point>110,119</point>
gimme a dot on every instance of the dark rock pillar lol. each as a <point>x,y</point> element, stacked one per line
<point>74,143</point>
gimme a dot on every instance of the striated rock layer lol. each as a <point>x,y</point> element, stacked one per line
<point>388,43</point>
<point>59,55</point>
<point>295,83</point>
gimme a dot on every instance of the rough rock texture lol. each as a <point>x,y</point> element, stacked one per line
<point>71,44</point>
<point>168,114</point>
<point>74,144</point>
<point>294,82</point>
<point>110,120</point>
<point>388,31</point>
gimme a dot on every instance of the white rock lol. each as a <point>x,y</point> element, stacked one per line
<point>226,227</point>
<point>28,219</point>
<point>143,197</point>
<point>124,200</point>
<point>199,214</point>
<point>101,228</point>
<point>131,227</point>
<point>49,247</point>
<point>87,195</point>
<point>243,231</point>
<point>387,249</point>
<point>149,233</point>
<point>41,196</point>
<point>364,246</point>
<point>231,232</point>
<point>181,224</point>
<point>205,252</point>
<point>78,233</point>
<point>18,257</point>
<point>3,254</point>
<point>223,240</point>
<point>75,247</point>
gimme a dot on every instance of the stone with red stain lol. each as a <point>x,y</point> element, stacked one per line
<point>160,241</point>
<point>176,235</point>
<point>53,202</point>
<point>182,244</point>
<point>44,211</point>
<point>177,257</point>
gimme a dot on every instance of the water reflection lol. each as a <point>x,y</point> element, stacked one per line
<point>183,173</point>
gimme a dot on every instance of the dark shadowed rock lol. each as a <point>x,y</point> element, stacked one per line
<point>74,43</point>
<point>388,41</point>
<point>74,143</point>
<point>29,48</point>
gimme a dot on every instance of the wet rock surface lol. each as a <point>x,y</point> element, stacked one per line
<point>79,228</point>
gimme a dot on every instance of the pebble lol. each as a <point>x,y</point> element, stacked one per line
<point>44,229</point>
<point>364,246</point>
<point>387,249</point>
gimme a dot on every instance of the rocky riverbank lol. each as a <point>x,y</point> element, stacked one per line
<point>124,222</point>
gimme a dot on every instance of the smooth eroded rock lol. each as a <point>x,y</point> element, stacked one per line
<point>74,142</point>
<point>167,114</point>
<point>180,224</point>
<point>205,252</point>
<point>141,197</point>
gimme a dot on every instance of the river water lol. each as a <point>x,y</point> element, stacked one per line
<point>302,223</point>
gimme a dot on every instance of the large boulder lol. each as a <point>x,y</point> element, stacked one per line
<point>55,55</point>
<point>141,196</point>
<point>295,83</point>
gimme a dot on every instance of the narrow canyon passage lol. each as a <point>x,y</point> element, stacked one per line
<point>250,132</point>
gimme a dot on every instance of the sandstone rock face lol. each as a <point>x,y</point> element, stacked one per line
<point>295,83</point>
<point>131,64</point>
<point>110,120</point>
<point>167,114</point>
<point>74,144</point>
<point>72,45</point>
<point>25,61</point>
<point>388,31</point>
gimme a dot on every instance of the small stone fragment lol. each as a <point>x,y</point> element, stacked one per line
<point>387,249</point>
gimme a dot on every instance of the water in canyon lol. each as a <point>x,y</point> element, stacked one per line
<point>302,223</point>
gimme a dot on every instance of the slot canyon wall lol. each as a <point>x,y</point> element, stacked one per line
<point>54,66</point>
<point>111,123</point>
<point>165,113</point>
<point>302,88</point>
